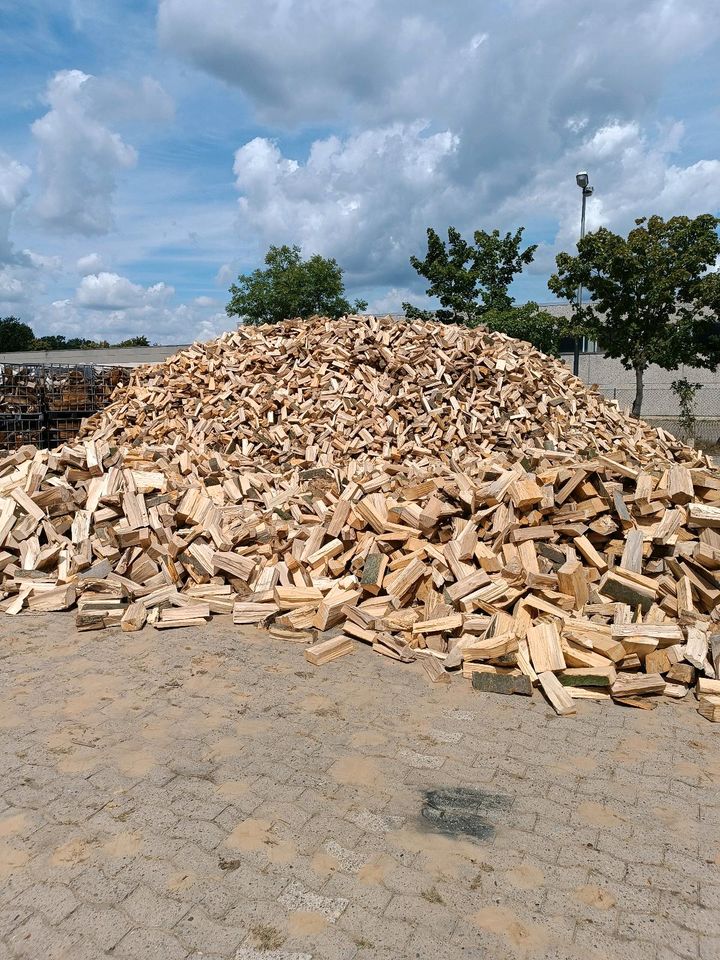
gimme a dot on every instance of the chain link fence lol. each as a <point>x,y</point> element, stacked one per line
<point>661,408</point>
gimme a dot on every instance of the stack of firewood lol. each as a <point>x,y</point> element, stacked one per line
<point>529,535</point>
<point>331,391</point>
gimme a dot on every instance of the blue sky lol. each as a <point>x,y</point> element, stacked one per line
<point>151,151</point>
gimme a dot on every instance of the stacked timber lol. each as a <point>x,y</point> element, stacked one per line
<point>524,534</point>
<point>327,392</point>
<point>585,578</point>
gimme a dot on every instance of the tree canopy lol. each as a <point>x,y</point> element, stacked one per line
<point>291,287</point>
<point>469,279</point>
<point>472,280</point>
<point>652,299</point>
<point>17,336</point>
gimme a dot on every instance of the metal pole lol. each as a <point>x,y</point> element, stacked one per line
<point>576,344</point>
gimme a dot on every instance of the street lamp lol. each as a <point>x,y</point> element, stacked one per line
<point>583,181</point>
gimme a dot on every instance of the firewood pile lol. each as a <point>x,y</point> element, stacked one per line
<point>327,392</point>
<point>438,495</point>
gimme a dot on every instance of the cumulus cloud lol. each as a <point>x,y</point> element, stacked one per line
<point>109,291</point>
<point>544,61</point>
<point>11,287</point>
<point>21,271</point>
<point>14,178</point>
<point>80,157</point>
<point>108,306</point>
<point>90,263</point>
<point>367,199</point>
<point>364,199</point>
<point>634,175</point>
<point>470,114</point>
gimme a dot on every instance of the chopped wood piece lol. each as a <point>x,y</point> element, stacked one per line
<point>592,556</point>
<point>703,515</point>
<point>328,650</point>
<point>710,709</point>
<point>453,621</point>
<point>696,648</point>
<point>545,650</point>
<point>616,586</point>
<point>434,670</point>
<point>502,683</point>
<point>134,617</point>
<point>707,687</point>
<point>572,580</point>
<point>588,676</point>
<point>249,612</point>
<point>657,661</point>
<point>635,684</point>
<point>633,553</point>
<point>681,673</point>
<point>679,484</point>
<point>560,700</point>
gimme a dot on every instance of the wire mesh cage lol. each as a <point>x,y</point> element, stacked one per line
<point>44,404</point>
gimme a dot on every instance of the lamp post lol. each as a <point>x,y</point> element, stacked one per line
<point>583,181</point>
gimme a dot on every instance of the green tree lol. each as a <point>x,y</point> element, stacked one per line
<point>471,281</point>
<point>58,342</point>
<point>15,335</point>
<point>291,287</point>
<point>141,341</point>
<point>527,322</point>
<point>651,297</point>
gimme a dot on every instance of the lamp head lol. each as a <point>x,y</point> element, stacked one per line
<point>582,179</point>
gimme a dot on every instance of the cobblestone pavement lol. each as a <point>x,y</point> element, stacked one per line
<point>185,794</point>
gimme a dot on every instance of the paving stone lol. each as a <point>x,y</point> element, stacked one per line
<point>12,917</point>
<point>296,897</point>
<point>419,910</point>
<point>53,900</point>
<point>606,847</point>
<point>105,926</point>
<point>146,908</point>
<point>148,944</point>
<point>250,953</point>
<point>200,932</point>
<point>38,940</point>
<point>598,942</point>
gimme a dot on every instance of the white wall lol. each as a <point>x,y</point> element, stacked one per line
<point>113,357</point>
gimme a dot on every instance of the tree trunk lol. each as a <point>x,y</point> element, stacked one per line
<point>637,402</point>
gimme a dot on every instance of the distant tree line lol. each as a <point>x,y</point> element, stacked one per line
<point>16,336</point>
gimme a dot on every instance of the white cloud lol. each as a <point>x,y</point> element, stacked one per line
<point>111,307</point>
<point>109,291</point>
<point>533,62</point>
<point>633,175</point>
<point>90,263</point>
<point>160,323</point>
<point>14,179</point>
<point>391,301</point>
<point>365,199</point>
<point>80,157</point>
<point>11,288</point>
<point>466,113</point>
<point>22,272</point>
